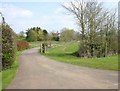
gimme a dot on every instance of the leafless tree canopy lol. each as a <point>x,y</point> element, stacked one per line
<point>98,28</point>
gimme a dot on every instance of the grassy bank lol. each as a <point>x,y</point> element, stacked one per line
<point>63,54</point>
<point>0,81</point>
<point>9,74</point>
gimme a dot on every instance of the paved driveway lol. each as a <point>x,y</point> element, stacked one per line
<point>38,72</point>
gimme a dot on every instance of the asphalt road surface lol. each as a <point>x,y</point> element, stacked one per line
<point>38,72</point>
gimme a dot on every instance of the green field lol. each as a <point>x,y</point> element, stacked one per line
<point>63,53</point>
<point>9,74</point>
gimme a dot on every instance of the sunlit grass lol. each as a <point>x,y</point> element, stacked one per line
<point>64,54</point>
<point>9,74</point>
<point>0,81</point>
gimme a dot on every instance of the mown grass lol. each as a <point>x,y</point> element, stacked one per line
<point>0,81</point>
<point>63,54</point>
<point>9,74</point>
<point>38,43</point>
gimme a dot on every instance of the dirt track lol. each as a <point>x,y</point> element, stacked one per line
<point>38,72</point>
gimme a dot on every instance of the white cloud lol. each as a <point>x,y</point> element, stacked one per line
<point>35,1</point>
<point>57,22</point>
<point>52,0</point>
<point>21,19</point>
<point>15,12</point>
<point>59,10</point>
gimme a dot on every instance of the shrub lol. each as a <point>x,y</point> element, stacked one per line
<point>8,46</point>
<point>22,45</point>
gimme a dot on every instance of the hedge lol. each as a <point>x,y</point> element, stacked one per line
<point>8,46</point>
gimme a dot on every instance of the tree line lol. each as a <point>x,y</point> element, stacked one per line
<point>38,34</point>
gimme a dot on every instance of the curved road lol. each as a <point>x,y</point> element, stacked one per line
<point>38,72</point>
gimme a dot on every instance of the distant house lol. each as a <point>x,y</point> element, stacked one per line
<point>56,36</point>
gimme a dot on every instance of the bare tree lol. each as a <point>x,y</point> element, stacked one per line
<point>95,24</point>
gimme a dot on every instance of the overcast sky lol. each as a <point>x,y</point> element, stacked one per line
<point>47,15</point>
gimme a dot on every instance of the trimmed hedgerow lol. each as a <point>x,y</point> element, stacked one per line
<point>8,46</point>
<point>22,45</point>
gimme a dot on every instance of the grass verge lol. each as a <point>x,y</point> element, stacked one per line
<point>0,81</point>
<point>63,54</point>
<point>9,74</point>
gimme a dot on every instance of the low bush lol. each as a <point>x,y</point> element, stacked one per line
<point>22,45</point>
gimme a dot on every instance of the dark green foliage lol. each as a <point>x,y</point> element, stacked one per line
<point>55,36</point>
<point>45,33</point>
<point>22,45</point>
<point>8,46</point>
<point>35,34</point>
<point>31,36</point>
